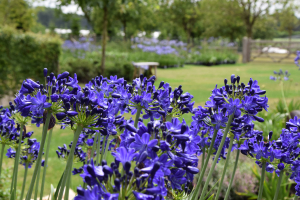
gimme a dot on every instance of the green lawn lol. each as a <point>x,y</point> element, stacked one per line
<point>197,80</point>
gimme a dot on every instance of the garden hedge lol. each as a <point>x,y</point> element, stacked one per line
<point>24,55</point>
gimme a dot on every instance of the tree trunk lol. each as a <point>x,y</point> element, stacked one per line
<point>124,29</point>
<point>249,30</point>
<point>188,41</point>
<point>104,38</point>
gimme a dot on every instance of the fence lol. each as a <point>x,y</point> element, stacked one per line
<point>269,51</point>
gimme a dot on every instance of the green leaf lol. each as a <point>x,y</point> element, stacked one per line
<point>211,197</point>
<point>58,186</point>
<point>212,189</point>
<point>51,192</point>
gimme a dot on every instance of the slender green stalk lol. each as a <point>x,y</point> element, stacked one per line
<point>199,182</point>
<point>17,158</point>
<point>13,177</point>
<point>69,162</point>
<point>284,100</point>
<point>1,158</point>
<point>278,185</point>
<point>216,157</point>
<point>169,118</point>
<point>39,158</point>
<point>296,197</point>
<point>98,148</point>
<point>261,183</point>
<point>68,186</point>
<point>203,158</point>
<point>37,185</point>
<point>94,147</point>
<point>233,174</point>
<point>225,167</point>
<point>103,148</point>
<point>137,116</point>
<point>24,181</point>
<point>46,163</point>
<point>16,164</point>
<point>106,148</point>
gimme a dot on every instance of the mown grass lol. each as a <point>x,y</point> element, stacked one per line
<point>197,80</point>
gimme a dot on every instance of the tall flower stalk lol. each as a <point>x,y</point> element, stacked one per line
<point>39,158</point>
<point>261,182</point>
<point>216,157</point>
<point>24,181</point>
<point>45,163</point>
<point>233,174</point>
<point>282,76</point>
<point>69,162</point>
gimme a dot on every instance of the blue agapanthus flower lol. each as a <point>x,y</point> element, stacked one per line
<point>297,59</point>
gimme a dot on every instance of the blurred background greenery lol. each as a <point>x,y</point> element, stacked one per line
<point>196,43</point>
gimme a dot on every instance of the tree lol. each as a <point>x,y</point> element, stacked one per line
<point>17,13</point>
<point>225,23</point>
<point>288,20</point>
<point>75,26</point>
<point>184,15</point>
<point>251,10</point>
<point>106,8</point>
<point>265,28</point>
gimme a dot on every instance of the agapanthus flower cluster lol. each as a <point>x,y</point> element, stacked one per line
<point>297,59</point>
<point>154,41</point>
<point>79,154</point>
<point>279,155</point>
<point>29,152</point>
<point>98,109</point>
<point>280,75</point>
<point>153,159</point>
<point>156,49</point>
<point>242,102</point>
<point>79,48</point>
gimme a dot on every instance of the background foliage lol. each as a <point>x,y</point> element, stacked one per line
<point>23,55</point>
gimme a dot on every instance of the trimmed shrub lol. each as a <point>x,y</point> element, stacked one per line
<point>88,67</point>
<point>24,55</point>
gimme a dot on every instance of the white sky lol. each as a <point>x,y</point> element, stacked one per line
<point>73,8</point>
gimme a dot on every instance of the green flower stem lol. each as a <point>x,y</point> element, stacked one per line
<point>225,167</point>
<point>296,197</point>
<point>68,186</point>
<point>216,158</point>
<point>98,148</point>
<point>1,158</point>
<point>94,147</point>
<point>37,185</point>
<point>197,188</point>
<point>69,162</point>
<point>13,177</point>
<point>24,181</point>
<point>278,185</point>
<point>261,182</point>
<point>106,148</point>
<point>284,100</point>
<point>203,158</point>
<point>39,158</point>
<point>137,116</point>
<point>169,118</point>
<point>103,148</point>
<point>17,158</point>
<point>46,163</point>
<point>233,174</point>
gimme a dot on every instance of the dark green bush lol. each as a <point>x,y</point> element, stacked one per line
<point>164,60</point>
<point>24,55</point>
<point>84,69</point>
<point>5,183</point>
<point>89,67</point>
